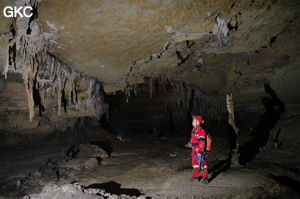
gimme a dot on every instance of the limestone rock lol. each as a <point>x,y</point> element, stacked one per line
<point>74,191</point>
<point>90,163</point>
<point>211,43</point>
<point>88,150</point>
<point>80,163</point>
<point>83,156</point>
<point>65,191</point>
<point>222,46</point>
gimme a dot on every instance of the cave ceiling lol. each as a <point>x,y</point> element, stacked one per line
<point>223,46</point>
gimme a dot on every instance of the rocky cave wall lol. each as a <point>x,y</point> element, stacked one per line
<point>40,93</point>
<point>222,46</point>
<point>69,53</point>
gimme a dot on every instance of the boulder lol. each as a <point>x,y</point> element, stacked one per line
<point>80,163</point>
<point>90,163</point>
<point>88,150</point>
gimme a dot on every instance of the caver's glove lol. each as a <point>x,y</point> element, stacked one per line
<point>206,154</point>
<point>188,145</point>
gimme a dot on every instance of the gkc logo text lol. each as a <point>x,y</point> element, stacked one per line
<point>13,11</point>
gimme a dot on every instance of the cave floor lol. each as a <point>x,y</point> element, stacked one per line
<point>158,169</point>
<point>162,170</point>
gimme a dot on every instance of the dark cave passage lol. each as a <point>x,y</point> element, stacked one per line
<point>154,113</point>
<point>144,117</point>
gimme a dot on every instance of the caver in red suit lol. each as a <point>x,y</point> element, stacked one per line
<point>198,145</point>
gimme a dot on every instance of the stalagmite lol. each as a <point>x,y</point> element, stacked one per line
<point>231,121</point>
<point>230,109</point>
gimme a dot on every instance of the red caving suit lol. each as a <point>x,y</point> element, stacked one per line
<point>198,142</point>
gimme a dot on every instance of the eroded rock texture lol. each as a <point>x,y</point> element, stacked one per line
<point>53,90</point>
<point>70,52</point>
<point>224,46</point>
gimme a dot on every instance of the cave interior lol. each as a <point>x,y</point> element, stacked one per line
<point>97,98</point>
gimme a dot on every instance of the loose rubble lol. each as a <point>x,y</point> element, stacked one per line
<point>75,191</point>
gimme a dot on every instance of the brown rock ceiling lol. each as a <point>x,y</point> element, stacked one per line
<point>122,42</point>
<point>119,42</point>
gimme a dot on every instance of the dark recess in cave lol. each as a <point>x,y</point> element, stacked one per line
<point>274,109</point>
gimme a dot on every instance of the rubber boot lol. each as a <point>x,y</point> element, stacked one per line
<point>204,180</point>
<point>194,178</point>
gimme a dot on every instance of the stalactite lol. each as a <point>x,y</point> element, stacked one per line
<point>193,99</point>
<point>43,95</point>
<point>127,94</point>
<point>6,63</point>
<point>59,90</point>
<point>151,87</point>
<point>70,100</point>
<point>43,72</point>
<point>135,89</point>
<point>163,83</point>
<point>74,94</point>
<point>190,97</point>
<point>30,101</point>
<point>91,93</point>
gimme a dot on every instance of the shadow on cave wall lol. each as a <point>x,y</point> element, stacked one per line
<point>274,108</point>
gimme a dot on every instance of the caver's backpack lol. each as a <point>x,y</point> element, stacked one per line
<point>208,142</point>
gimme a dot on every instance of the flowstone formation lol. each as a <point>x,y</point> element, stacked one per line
<point>53,89</point>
